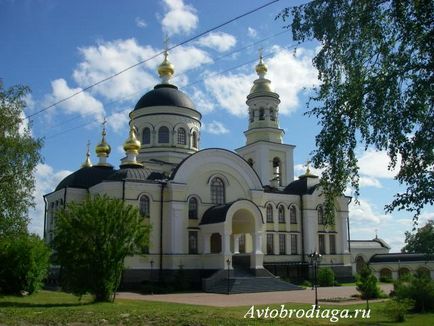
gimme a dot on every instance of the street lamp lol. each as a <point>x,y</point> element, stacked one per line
<point>228,261</point>
<point>150,278</point>
<point>315,258</point>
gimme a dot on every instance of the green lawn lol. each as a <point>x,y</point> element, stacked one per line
<point>58,308</point>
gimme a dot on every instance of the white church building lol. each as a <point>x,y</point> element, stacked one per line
<point>212,208</point>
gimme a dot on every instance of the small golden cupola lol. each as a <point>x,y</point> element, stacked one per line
<point>132,147</point>
<point>166,69</point>
<point>261,84</point>
<point>87,163</point>
<point>103,149</point>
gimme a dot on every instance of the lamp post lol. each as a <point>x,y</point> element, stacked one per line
<point>150,278</point>
<point>228,261</point>
<point>315,258</point>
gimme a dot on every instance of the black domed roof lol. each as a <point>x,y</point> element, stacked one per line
<point>165,95</point>
<point>85,177</point>
<point>127,172</point>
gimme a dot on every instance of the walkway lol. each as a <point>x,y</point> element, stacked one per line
<point>248,299</point>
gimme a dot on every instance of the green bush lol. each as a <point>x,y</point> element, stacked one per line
<point>307,283</point>
<point>326,277</point>
<point>418,288</point>
<point>386,279</point>
<point>397,309</point>
<point>24,262</point>
<point>366,284</point>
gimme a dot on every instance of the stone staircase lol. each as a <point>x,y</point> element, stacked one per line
<point>245,281</point>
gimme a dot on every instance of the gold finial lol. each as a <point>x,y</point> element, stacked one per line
<point>132,144</point>
<point>87,163</point>
<point>261,68</point>
<point>307,168</point>
<point>166,69</point>
<point>103,149</point>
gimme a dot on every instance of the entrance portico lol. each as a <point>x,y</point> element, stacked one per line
<point>222,228</point>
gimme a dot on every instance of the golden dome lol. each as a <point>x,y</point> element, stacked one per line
<point>261,67</point>
<point>261,85</point>
<point>166,69</point>
<point>103,148</point>
<point>87,163</point>
<point>132,144</point>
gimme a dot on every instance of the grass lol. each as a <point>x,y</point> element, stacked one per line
<point>58,308</point>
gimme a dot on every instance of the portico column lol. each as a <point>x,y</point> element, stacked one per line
<point>237,243</point>
<point>226,244</point>
<point>344,232</point>
<point>258,242</point>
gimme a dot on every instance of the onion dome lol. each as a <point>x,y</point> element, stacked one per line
<point>103,149</point>
<point>87,163</point>
<point>261,84</point>
<point>166,69</point>
<point>132,147</point>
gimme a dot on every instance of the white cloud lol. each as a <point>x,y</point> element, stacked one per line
<point>375,164</point>
<point>118,121</point>
<point>84,103</point>
<point>365,213</point>
<point>300,169</point>
<point>365,181</point>
<point>219,41</point>
<point>108,58</point>
<point>201,101</point>
<point>251,32</point>
<point>179,18</point>
<point>140,22</point>
<point>185,58</point>
<point>215,128</point>
<point>46,181</point>
<point>289,74</point>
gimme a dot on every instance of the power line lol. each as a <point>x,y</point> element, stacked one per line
<point>150,58</point>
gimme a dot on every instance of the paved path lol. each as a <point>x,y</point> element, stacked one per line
<point>248,299</point>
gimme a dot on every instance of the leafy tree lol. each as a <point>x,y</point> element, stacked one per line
<point>376,71</point>
<point>422,241</point>
<point>92,239</point>
<point>24,262</point>
<point>419,288</point>
<point>367,285</point>
<point>18,159</point>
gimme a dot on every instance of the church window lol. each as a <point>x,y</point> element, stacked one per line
<point>276,170</point>
<point>194,136</point>
<point>261,114</point>
<point>270,218</point>
<point>294,243</point>
<point>216,243</point>
<point>192,209</point>
<point>281,214</point>
<point>181,136</point>
<point>272,115</point>
<point>217,191</point>
<point>192,242</point>
<point>144,206</point>
<point>332,240</point>
<point>292,215</point>
<point>270,244</point>
<point>282,244</point>
<point>321,244</point>
<point>163,135</point>
<point>146,136</point>
<point>320,215</point>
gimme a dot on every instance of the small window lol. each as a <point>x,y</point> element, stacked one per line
<point>294,244</point>
<point>321,244</point>
<point>272,115</point>
<point>277,170</point>
<point>182,140</point>
<point>281,214</point>
<point>217,191</point>
<point>216,243</point>
<point>293,215</point>
<point>194,139</point>
<point>270,244</point>
<point>144,206</point>
<point>192,242</point>
<point>282,244</point>
<point>332,240</point>
<point>163,135</point>
<point>270,218</point>
<point>320,215</point>
<point>146,136</point>
<point>192,209</point>
<point>261,114</point>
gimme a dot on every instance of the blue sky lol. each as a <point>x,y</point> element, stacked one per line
<point>60,47</point>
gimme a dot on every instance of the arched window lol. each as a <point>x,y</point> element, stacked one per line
<point>216,243</point>
<point>194,139</point>
<point>281,214</point>
<point>272,115</point>
<point>261,114</point>
<point>270,218</point>
<point>146,136</point>
<point>277,170</point>
<point>320,215</point>
<point>217,191</point>
<point>293,215</point>
<point>163,135</point>
<point>182,140</point>
<point>144,206</point>
<point>192,208</point>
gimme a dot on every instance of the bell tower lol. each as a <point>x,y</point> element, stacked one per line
<point>264,150</point>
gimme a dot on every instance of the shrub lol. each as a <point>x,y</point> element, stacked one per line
<point>326,277</point>
<point>397,309</point>
<point>24,262</point>
<point>418,288</point>
<point>386,279</point>
<point>307,283</point>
